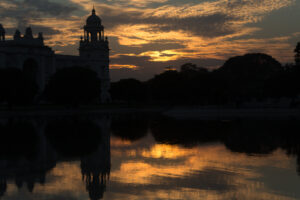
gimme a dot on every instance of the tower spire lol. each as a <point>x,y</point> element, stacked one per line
<point>93,11</point>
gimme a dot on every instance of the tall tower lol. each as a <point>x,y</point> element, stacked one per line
<point>94,45</point>
<point>94,48</point>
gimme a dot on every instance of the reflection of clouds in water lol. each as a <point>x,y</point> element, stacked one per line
<point>207,171</point>
<point>143,168</point>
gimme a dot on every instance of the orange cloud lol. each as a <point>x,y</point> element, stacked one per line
<point>121,66</point>
<point>138,25</point>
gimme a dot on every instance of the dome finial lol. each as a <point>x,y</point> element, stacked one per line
<point>28,33</point>
<point>93,11</point>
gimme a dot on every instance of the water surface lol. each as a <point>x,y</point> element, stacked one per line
<point>142,157</point>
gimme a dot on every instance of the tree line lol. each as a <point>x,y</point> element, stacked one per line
<point>242,78</point>
<point>69,86</point>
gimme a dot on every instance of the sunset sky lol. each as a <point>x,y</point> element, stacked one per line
<point>148,35</point>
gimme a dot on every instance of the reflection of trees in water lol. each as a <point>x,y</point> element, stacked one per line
<point>89,140</point>
<point>186,132</point>
<point>243,136</point>
<point>291,141</point>
<point>254,137</point>
<point>130,126</point>
<point>17,139</point>
<point>30,148</point>
<point>73,136</point>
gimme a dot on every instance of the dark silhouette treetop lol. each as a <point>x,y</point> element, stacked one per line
<point>129,90</point>
<point>247,76</point>
<point>257,65</point>
<point>73,86</point>
<point>192,68</point>
<point>188,67</point>
<point>16,88</point>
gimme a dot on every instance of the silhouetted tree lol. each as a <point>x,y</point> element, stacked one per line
<point>244,78</point>
<point>129,90</point>
<point>16,88</point>
<point>166,87</point>
<point>188,67</point>
<point>195,83</point>
<point>247,76</point>
<point>297,55</point>
<point>73,86</point>
<point>287,84</point>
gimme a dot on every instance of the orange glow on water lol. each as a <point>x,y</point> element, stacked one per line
<point>153,165</point>
<point>166,168</point>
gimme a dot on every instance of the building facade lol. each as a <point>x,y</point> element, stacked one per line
<point>30,54</point>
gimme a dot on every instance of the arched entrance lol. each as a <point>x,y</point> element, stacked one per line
<point>30,69</point>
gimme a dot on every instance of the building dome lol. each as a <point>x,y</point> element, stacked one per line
<point>28,33</point>
<point>93,20</point>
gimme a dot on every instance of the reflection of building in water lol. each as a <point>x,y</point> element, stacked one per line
<point>3,186</point>
<point>23,172</point>
<point>28,172</point>
<point>17,165</point>
<point>95,168</point>
<point>40,62</point>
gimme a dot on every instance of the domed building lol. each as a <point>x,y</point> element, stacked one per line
<point>27,50</point>
<point>93,30</point>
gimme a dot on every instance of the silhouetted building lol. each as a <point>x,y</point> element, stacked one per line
<point>24,51</point>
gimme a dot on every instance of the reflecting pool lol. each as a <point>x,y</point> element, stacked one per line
<point>148,157</point>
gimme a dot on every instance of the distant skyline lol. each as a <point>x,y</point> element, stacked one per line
<point>147,35</point>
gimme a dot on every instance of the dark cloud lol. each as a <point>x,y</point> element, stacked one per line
<point>206,26</point>
<point>213,25</point>
<point>50,8</point>
<point>131,60</point>
<point>25,11</point>
<point>157,45</point>
<point>36,29</point>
